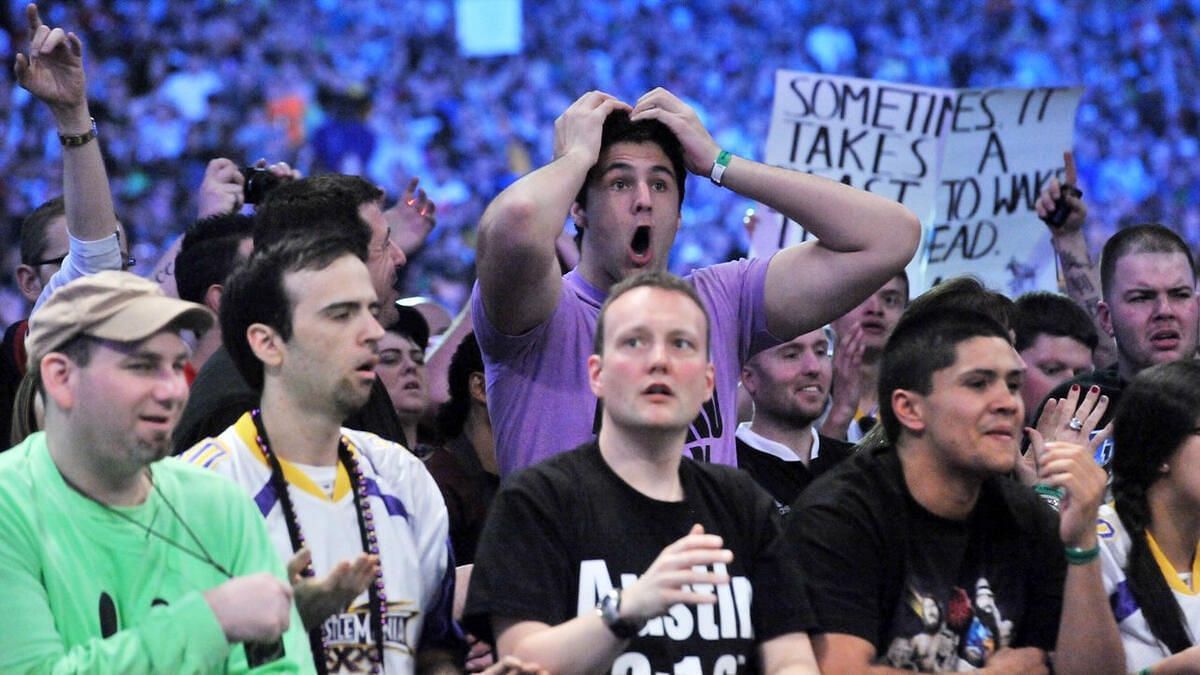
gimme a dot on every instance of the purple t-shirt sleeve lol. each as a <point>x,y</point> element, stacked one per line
<point>538,395</point>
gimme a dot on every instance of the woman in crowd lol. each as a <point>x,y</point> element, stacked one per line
<point>1149,535</point>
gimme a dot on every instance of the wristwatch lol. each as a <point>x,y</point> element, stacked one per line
<point>81,139</point>
<point>609,609</point>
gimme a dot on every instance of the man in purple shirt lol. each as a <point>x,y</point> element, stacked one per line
<point>619,171</point>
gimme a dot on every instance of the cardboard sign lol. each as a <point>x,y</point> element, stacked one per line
<point>968,162</point>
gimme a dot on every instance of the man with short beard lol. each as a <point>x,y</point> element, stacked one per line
<point>112,561</point>
<point>361,518</point>
<point>780,447</point>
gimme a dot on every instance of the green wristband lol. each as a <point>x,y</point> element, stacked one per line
<point>1050,494</point>
<point>1081,556</point>
<point>719,165</point>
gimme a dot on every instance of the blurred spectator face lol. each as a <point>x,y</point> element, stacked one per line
<point>791,381</point>
<point>382,261</point>
<point>632,212</point>
<point>33,278</point>
<point>877,314</point>
<point>402,370</point>
<point>1049,361</point>
<point>1152,310</point>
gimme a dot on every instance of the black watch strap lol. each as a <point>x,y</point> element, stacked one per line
<point>609,609</point>
<point>81,139</point>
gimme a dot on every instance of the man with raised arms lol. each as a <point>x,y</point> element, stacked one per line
<point>619,171</point>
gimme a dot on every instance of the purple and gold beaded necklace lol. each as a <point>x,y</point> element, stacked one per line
<point>377,598</point>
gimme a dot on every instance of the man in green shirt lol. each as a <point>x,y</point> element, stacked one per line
<point>111,561</point>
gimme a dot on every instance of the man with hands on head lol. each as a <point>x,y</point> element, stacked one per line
<point>925,555</point>
<point>112,561</point>
<point>635,558</point>
<point>619,171</point>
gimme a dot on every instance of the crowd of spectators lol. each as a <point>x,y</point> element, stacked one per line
<point>380,88</point>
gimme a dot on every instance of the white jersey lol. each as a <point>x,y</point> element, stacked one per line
<point>1142,650</point>
<point>410,523</point>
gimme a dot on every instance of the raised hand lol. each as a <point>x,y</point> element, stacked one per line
<point>319,598</point>
<point>1047,203</point>
<point>662,583</point>
<point>578,129</point>
<point>53,69</point>
<point>1070,468</point>
<point>847,382</point>
<point>699,148</point>
<point>1070,419</point>
<point>412,218</point>
<point>222,189</point>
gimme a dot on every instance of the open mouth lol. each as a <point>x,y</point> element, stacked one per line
<point>412,386</point>
<point>639,245</point>
<point>658,390</point>
<point>1165,339</point>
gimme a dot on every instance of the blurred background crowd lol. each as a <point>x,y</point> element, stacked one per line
<point>384,88</point>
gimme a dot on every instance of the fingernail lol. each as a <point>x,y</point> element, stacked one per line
<point>1074,387</point>
<point>1104,399</point>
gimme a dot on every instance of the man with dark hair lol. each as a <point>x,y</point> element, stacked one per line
<point>620,172</point>
<point>321,206</point>
<point>626,544</point>
<point>111,560</point>
<point>1148,279</point>
<point>373,572</point>
<point>1055,337</point>
<point>211,249</point>
<point>779,446</point>
<point>895,542</point>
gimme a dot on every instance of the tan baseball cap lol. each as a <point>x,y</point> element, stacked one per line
<point>110,305</point>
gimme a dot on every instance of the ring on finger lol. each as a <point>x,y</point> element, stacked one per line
<point>1075,424</point>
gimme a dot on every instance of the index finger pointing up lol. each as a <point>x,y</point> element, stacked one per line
<point>32,16</point>
<point>1069,161</point>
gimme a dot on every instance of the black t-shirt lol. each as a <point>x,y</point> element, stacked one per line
<point>929,593</point>
<point>562,533</point>
<point>220,395</point>
<point>785,480</point>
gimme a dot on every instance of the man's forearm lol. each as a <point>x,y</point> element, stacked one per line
<point>531,211</point>
<point>1088,639</point>
<point>86,194</point>
<point>582,645</point>
<point>841,217</point>
<point>1082,280</point>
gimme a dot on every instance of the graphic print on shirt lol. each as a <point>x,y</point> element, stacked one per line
<point>694,639</point>
<point>708,425</point>
<point>350,638</point>
<point>958,632</point>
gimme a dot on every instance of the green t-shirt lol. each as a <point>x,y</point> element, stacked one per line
<point>66,562</point>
